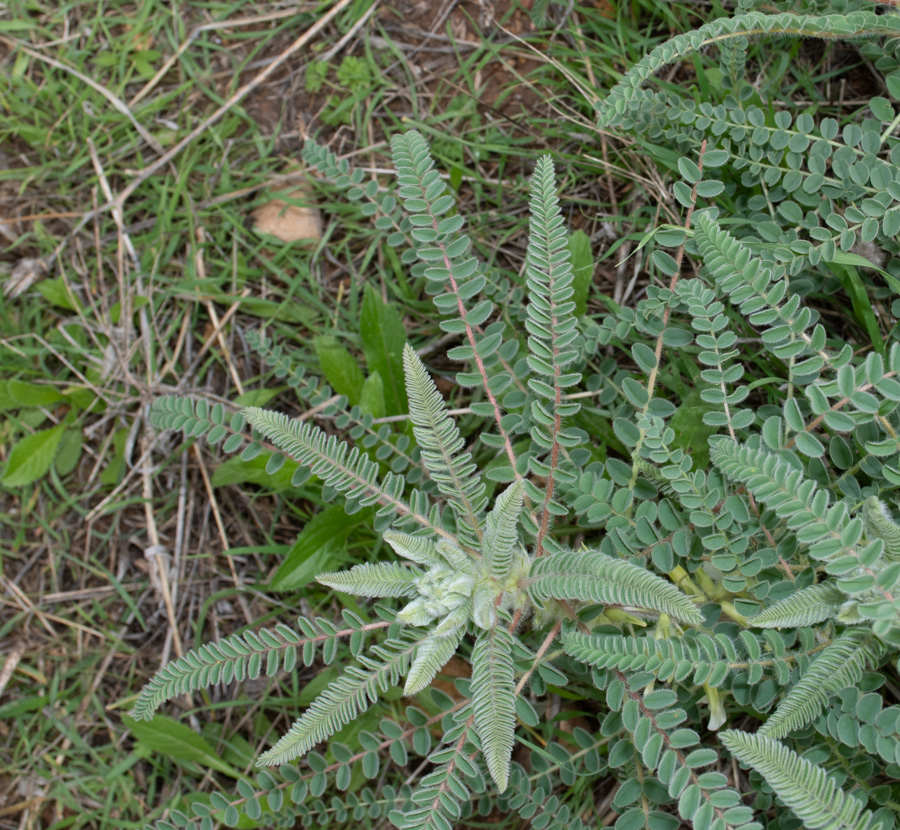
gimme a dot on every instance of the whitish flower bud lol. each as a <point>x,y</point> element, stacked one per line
<point>717,714</point>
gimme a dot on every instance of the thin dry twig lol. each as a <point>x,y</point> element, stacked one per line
<point>200,266</point>
<point>212,338</point>
<point>223,537</point>
<point>9,666</point>
<point>212,27</point>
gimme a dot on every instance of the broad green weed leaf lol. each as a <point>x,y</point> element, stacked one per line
<point>287,312</point>
<point>56,292</point>
<point>371,398</point>
<point>857,261</point>
<point>137,303</point>
<point>237,471</point>
<point>23,393</point>
<point>168,736</point>
<point>17,25</point>
<point>311,553</point>
<point>32,456</point>
<point>234,748</point>
<point>859,299</point>
<point>69,451</point>
<point>257,397</point>
<point>339,367</point>
<point>582,260</point>
<point>383,336</point>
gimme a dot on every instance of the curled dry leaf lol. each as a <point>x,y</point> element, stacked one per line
<point>291,218</point>
<point>25,273</point>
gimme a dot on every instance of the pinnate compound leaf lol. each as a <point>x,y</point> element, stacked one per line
<point>628,90</point>
<point>374,579</point>
<point>219,662</point>
<point>594,577</point>
<point>807,789</point>
<point>880,525</point>
<point>453,470</point>
<point>431,656</point>
<point>840,665</point>
<point>345,699</point>
<point>419,549</point>
<point>437,804</point>
<point>347,470</point>
<point>554,339</point>
<point>501,537</point>
<point>494,700</point>
<point>807,606</point>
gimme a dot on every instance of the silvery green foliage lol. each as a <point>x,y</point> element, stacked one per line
<point>465,574</point>
<point>740,562</point>
<point>805,788</point>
